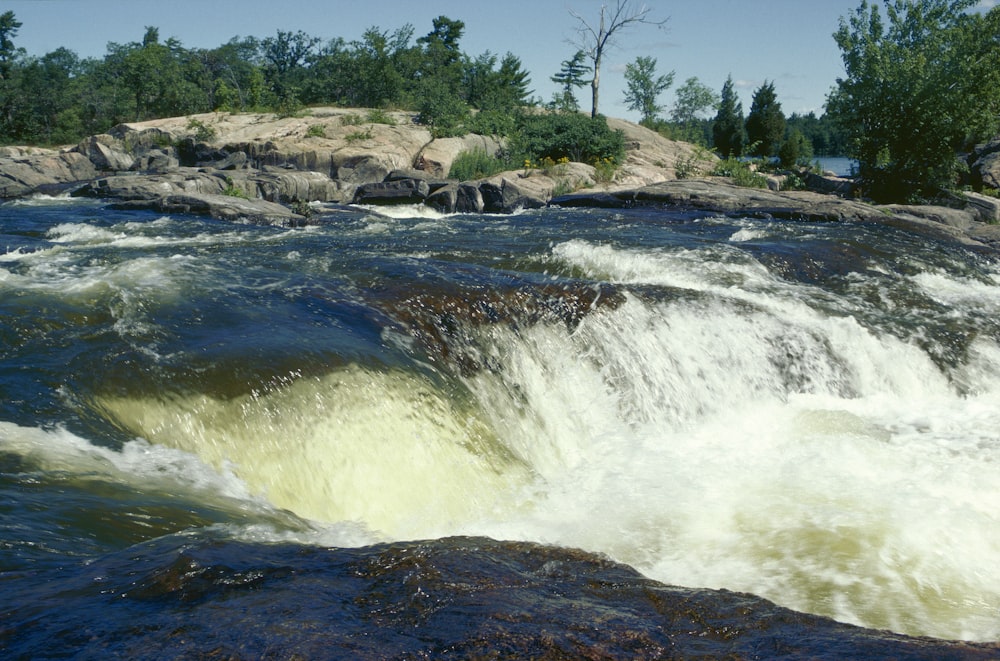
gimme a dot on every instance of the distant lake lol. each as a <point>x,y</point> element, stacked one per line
<point>839,165</point>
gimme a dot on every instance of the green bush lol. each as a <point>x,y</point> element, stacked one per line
<point>475,164</point>
<point>316,131</point>
<point>379,116</point>
<point>202,131</point>
<point>560,135</point>
<point>740,172</point>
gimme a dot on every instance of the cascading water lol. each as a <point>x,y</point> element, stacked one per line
<point>805,412</point>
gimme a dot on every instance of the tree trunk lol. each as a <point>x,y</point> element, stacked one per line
<point>595,85</point>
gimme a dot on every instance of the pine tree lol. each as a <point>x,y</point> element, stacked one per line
<point>766,122</point>
<point>728,133</point>
<point>571,75</point>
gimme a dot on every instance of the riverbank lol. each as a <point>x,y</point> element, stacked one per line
<point>270,169</point>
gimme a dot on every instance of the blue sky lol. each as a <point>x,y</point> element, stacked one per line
<point>788,42</point>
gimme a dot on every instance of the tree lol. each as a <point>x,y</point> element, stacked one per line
<point>728,131</point>
<point>571,75</point>
<point>643,86</point>
<point>9,25</point>
<point>766,122</point>
<point>438,90</point>
<point>693,99</point>
<point>595,41</point>
<point>917,89</point>
<point>795,150</point>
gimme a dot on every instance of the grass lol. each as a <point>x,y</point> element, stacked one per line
<point>475,164</point>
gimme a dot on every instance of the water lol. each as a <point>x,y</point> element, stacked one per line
<point>839,165</point>
<point>804,412</point>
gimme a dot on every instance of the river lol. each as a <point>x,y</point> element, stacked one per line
<point>198,415</point>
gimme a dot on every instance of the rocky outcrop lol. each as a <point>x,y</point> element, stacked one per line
<point>224,164</point>
<point>718,196</point>
<point>30,171</point>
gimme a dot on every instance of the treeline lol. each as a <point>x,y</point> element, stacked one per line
<point>59,97</point>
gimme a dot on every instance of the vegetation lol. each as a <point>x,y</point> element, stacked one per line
<point>476,164</point>
<point>729,131</point>
<point>596,41</point>
<point>566,135</point>
<point>643,87</point>
<point>765,123</point>
<point>743,173</point>
<point>920,86</point>
<point>60,98</point>
<point>572,75</point>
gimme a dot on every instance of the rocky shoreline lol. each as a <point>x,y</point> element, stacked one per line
<point>269,169</point>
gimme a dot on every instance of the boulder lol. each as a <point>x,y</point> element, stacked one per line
<point>156,161</point>
<point>400,191</point>
<point>505,194</point>
<point>106,152</point>
<point>469,199</point>
<point>444,199</point>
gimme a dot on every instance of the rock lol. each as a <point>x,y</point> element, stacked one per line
<point>985,165</point>
<point>504,193</point>
<point>986,208</point>
<point>469,199</point>
<point>829,183</point>
<point>223,207</point>
<point>153,186</point>
<point>653,157</point>
<point>401,191</point>
<point>279,185</point>
<point>444,199</point>
<point>43,171</point>
<point>159,161</point>
<point>106,153</point>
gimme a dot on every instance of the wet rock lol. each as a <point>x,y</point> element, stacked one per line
<point>222,207</point>
<point>443,316</point>
<point>452,598</point>
<point>400,191</point>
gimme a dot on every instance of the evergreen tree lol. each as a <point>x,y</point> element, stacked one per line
<point>728,133</point>
<point>766,122</point>
<point>643,86</point>
<point>571,75</point>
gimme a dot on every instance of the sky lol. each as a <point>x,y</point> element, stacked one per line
<point>787,42</point>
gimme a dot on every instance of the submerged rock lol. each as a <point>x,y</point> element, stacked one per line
<point>452,598</point>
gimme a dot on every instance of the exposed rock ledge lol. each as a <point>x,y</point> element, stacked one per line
<point>257,166</point>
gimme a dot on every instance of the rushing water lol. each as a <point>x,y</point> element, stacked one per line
<point>806,412</point>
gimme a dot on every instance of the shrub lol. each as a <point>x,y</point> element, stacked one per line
<point>316,131</point>
<point>202,131</point>
<point>378,116</point>
<point>572,136</point>
<point>740,172</point>
<point>358,136</point>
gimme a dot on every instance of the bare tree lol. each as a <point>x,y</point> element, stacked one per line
<point>594,41</point>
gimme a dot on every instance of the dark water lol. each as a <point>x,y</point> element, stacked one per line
<point>235,441</point>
